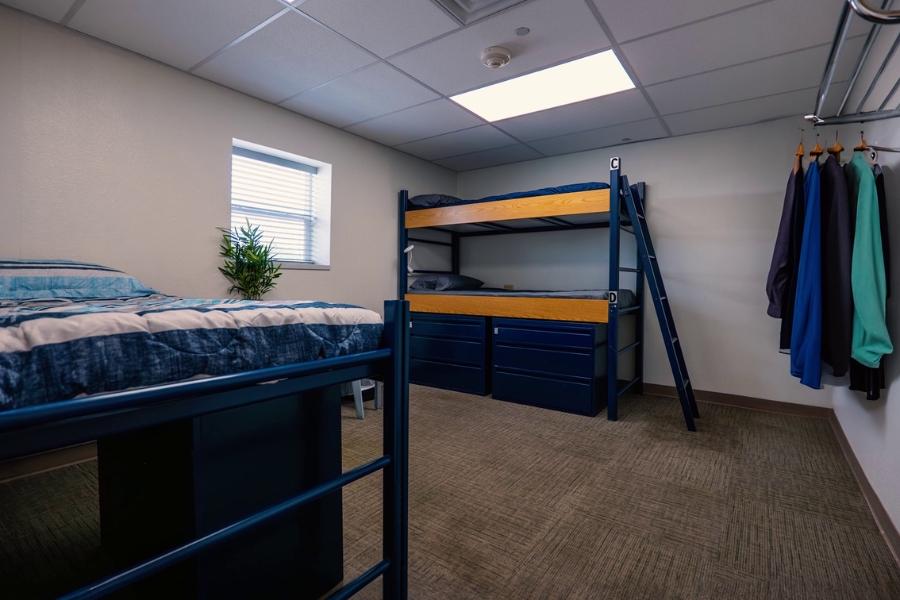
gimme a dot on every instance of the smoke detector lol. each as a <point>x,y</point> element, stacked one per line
<point>495,57</point>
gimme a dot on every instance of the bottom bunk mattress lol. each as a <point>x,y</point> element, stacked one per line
<point>58,349</point>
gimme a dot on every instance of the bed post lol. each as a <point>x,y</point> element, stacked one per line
<point>395,510</point>
<point>454,252</point>
<point>402,242</point>
<point>639,299</point>
<point>612,326</point>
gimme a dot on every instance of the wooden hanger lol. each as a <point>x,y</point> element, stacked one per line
<point>801,151</point>
<point>818,150</point>
<point>863,145</point>
<point>836,148</point>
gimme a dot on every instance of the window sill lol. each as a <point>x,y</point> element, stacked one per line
<point>299,266</point>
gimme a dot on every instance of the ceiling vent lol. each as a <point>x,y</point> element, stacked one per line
<point>467,11</point>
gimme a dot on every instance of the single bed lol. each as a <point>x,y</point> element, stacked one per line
<point>54,349</point>
<point>237,410</point>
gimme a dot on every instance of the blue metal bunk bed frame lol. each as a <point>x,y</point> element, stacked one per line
<point>617,224</point>
<point>49,426</point>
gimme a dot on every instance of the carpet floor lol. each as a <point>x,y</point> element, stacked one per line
<point>514,502</point>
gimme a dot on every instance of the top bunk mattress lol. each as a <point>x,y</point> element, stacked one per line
<point>59,349</point>
<point>626,297</point>
<point>440,200</point>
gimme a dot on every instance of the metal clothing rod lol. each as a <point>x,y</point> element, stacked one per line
<point>839,37</point>
<point>884,149</point>
<point>867,48</point>
<point>859,117</point>
<point>885,17</point>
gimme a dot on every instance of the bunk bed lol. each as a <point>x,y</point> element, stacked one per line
<point>556,349</point>
<point>266,438</point>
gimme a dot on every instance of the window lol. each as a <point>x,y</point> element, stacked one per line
<point>288,197</point>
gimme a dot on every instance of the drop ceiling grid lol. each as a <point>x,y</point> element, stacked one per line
<point>704,15</point>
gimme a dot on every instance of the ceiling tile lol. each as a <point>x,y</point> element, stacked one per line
<point>383,26</point>
<point>416,123</point>
<point>785,73</point>
<point>459,142</point>
<point>743,113</point>
<point>372,91</point>
<point>636,18</point>
<point>53,10</point>
<point>172,31</point>
<point>489,158</point>
<point>756,32</point>
<point>589,114</point>
<point>560,30</point>
<point>600,138</point>
<point>289,55</point>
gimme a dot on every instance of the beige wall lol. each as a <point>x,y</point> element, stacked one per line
<point>114,158</point>
<point>714,201</point>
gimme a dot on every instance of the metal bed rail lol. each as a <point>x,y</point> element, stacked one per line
<point>878,18</point>
<point>27,430</point>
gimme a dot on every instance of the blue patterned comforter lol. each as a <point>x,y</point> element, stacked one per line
<point>58,349</point>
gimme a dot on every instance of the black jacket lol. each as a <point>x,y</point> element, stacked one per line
<point>837,247</point>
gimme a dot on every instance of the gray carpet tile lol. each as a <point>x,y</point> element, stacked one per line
<point>514,502</point>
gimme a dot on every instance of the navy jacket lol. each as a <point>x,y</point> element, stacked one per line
<point>781,284</point>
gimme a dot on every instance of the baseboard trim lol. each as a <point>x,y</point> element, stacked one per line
<point>882,519</point>
<point>25,466</point>
<point>788,408</point>
<point>888,530</point>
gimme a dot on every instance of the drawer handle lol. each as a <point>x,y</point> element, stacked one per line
<point>496,331</point>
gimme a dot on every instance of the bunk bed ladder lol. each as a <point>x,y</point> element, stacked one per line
<point>650,264</point>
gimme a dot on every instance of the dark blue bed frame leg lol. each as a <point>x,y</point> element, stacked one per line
<point>613,388</point>
<point>396,445</point>
<point>402,243</point>
<point>612,326</point>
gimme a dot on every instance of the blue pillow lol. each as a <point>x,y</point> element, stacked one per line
<point>32,279</point>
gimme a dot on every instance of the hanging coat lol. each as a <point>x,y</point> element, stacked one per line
<point>837,299</point>
<point>871,339</point>
<point>865,379</point>
<point>806,333</point>
<point>781,284</point>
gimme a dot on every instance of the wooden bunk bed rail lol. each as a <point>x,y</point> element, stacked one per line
<point>583,310</point>
<point>532,207</point>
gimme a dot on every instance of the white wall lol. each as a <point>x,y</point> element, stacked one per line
<point>713,203</point>
<point>111,157</point>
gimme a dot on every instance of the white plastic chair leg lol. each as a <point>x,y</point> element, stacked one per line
<point>358,399</point>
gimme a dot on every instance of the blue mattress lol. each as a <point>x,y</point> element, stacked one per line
<point>440,200</point>
<point>58,349</point>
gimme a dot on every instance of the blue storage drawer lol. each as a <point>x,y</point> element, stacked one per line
<point>543,360</point>
<point>443,375</point>
<point>455,351</point>
<point>567,395</point>
<point>552,364</point>
<point>450,352</point>
<point>449,326</point>
<point>558,334</point>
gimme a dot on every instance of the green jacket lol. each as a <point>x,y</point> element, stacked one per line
<point>868,282</point>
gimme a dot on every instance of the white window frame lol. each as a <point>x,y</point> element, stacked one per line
<point>321,251</point>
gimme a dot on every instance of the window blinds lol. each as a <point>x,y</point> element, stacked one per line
<point>278,195</point>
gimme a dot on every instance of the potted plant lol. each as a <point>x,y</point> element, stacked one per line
<point>249,264</point>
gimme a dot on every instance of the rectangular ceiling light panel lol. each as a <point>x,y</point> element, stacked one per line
<point>582,79</point>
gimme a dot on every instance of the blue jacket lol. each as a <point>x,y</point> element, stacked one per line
<point>806,333</point>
